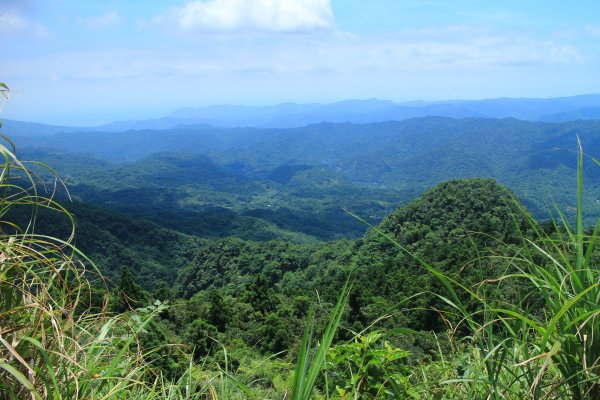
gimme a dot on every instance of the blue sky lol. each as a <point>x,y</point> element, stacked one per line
<point>88,62</point>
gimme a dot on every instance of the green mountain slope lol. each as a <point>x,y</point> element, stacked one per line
<point>113,241</point>
<point>450,226</point>
<point>249,169</point>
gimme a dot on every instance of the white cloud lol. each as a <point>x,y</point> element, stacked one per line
<point>444,50</point>
<point>593,30</point>
<point>12,22</point>
<point>107,20</point>
<point>471,47</point>
<point>233,16</point>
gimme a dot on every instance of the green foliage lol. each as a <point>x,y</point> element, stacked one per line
<point>200,335</point>
<point>151,252</point>
<point>232,263</point>
<point>369,367</point>
<point>128,295</point>
<point>280,336</point>
<point>260,295</point>
<point>162,292</point>
<point>309,368</point>
<point>218,313</point>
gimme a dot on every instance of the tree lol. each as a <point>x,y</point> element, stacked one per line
<point>162,292</point>
<point>261,295</point>
<point>277,335</point>
<point>200,334</point>
<point>128,294</point>
<point>218,313</point>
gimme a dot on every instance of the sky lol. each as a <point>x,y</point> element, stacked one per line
<point>77,62</point>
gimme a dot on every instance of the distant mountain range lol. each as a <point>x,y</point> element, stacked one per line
<point>291,115</point>
<point>326,160</point>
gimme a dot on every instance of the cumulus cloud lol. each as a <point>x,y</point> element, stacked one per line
<point>234,16</point>
<point>107,20</point>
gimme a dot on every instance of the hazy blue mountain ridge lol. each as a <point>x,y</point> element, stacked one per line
<point>292,115</point>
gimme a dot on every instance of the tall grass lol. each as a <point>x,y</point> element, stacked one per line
<point>307,370</point>
<point>38,285</point>
<point>543,345</point>
<point>50,347</point>
<point>566,330</point>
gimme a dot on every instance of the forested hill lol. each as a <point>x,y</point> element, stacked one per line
<point>112,241</point>
<point>450,226</point>
<point>324,143</point>
<point>446,226</point>
<point>456,208</point>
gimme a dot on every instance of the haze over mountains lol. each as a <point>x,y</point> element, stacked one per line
<point>365,111</point>
<point>229,166</point>
<point>290,115</point>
